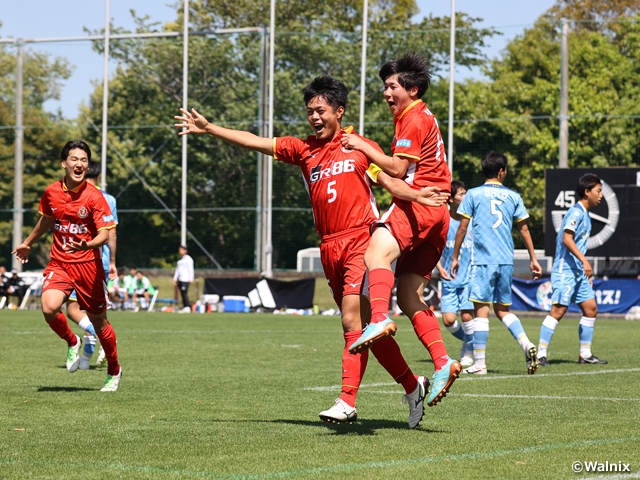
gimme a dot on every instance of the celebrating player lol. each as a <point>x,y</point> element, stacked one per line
<point>81,220</point>
<point>108,264</point>
<point>408,232</point>
<point>343,207</point>
<point>572,272</point>
<point>455,292</point>
<point>491,208</point>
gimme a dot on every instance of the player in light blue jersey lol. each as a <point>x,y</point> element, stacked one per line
<point>492,209</point>
<point>572,272</point>
<point>109,265</point>
<point>455,292</point>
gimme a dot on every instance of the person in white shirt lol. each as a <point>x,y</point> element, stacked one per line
<point>184,275</point>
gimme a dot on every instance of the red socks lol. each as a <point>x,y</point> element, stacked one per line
<point>381,283</point>
<point>388,354</point>
<point>62,329</point>
<point>108,341</point>
<point>353,367</point>
<point>427,328</point>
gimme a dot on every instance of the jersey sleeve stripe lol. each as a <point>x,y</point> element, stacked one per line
<point>275,154</point>
<point>44,214</point>
<point>522,218</point>
<point>107,228</point>
<point>466,216</point>
<point>401,154</point>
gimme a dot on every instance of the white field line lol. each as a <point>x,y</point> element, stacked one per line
<point>619,476</point>
<point>534,397</point>
<point>490,377</point>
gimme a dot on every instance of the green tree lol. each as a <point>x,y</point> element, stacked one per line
<point>43,77</point>
<point>224,85</point>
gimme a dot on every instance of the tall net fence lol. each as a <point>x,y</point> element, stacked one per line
<point>513,108</point>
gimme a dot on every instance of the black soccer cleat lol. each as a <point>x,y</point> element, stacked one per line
<point>591,360</point>
<point>543,362</point>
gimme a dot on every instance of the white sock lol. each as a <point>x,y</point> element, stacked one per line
<point>84,323</point>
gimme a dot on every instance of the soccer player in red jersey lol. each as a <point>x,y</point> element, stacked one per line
<point>411,233</point>
<point>81,220</point>
<point>344,207</point>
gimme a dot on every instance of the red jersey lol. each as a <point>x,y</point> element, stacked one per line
<point>79,214</point>
<point>417,138</point>
<point>335,178</point>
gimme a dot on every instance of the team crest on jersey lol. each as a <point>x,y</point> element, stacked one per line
<point>347,150</point>
<point>83,212</point>
<point>573,222</point>
<point>404,142</point>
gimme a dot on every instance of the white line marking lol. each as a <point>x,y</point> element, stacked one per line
<point>291,346</point>
<point>533,397</point>
<point>491,377</point>
<point>613,477</point>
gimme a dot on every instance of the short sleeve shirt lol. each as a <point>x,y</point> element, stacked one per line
<point>492,209</point>
<point>418,139</point>
<point>577,221</point>
<point>78,214</point>
<point>336,180</point>
<point>106,252</point>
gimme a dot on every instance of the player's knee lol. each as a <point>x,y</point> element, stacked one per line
<point>50,310</point>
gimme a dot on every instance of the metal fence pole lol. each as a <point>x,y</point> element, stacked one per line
<point>564,97</point>
<point>18,213</point>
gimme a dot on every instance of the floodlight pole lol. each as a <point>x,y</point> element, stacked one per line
<point>452,66</point>
<point>18,213</point>
<point>185,79</point>
<point>363,64</point>
<point>268,271</point>
<point>564,97</point>
<point>105,99</point>
<point>261,224</point>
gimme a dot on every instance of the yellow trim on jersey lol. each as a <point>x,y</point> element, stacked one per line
<point>74,190</point>
<point>493,182</point>
<point>522,219</point>
<point>466,216</point>
<point>411,105</point>
<point>275,156</point>
<point>401,154</point>
<point>478,301</point>
<point>348,129</point>
<point>107,228</point>
<point>42,213</point>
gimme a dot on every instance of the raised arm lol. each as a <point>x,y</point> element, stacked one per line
<point>43,226</point>
<point>535,267</point>
<point>196,123</point>
<point>394,166</point>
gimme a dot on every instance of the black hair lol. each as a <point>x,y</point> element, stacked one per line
<point>332,90</point>
<point>94,170</point>
<point>73,144</point>
<point>121,271</point>
<point>413,70</point>
<point>133,267</point>
<point>588,181</point>
<point>492,163</point>
<point>457,185</point>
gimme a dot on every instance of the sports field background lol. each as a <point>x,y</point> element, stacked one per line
<point>236,396</point>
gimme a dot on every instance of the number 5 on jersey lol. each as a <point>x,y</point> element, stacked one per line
<point>496,211</point>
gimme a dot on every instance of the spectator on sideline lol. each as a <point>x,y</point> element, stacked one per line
<point>141,287</point>
<point>3,280</point>
<point>184,276</point>
<point>15,286</point>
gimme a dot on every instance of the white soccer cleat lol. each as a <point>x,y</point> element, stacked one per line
<point>73,356</point>
<point>474,370</point>
<point>341,412</point>
<point>84,363</point>
<point>466,361</point>
<point>415,400</point>
<point>102,357</point>
<point>112,382</point>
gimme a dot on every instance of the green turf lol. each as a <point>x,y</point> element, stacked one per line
<point>237,396</point>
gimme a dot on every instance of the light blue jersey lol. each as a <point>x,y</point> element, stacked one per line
<point>106,253</point>
<point>492,209</point>
<point>462,278</point>
<point>577,221</point>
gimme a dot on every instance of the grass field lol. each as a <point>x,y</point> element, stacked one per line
<point>237,397</point>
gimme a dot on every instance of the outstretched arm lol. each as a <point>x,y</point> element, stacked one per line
<point>22,251</point>
<point>429,196</point>
<point>535,267</point>
<point>394,166</point>
<point>196,123</point>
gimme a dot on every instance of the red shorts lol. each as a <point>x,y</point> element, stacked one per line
<point>342,257</point>
<point>86,278</point>
<point>421,233</point>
